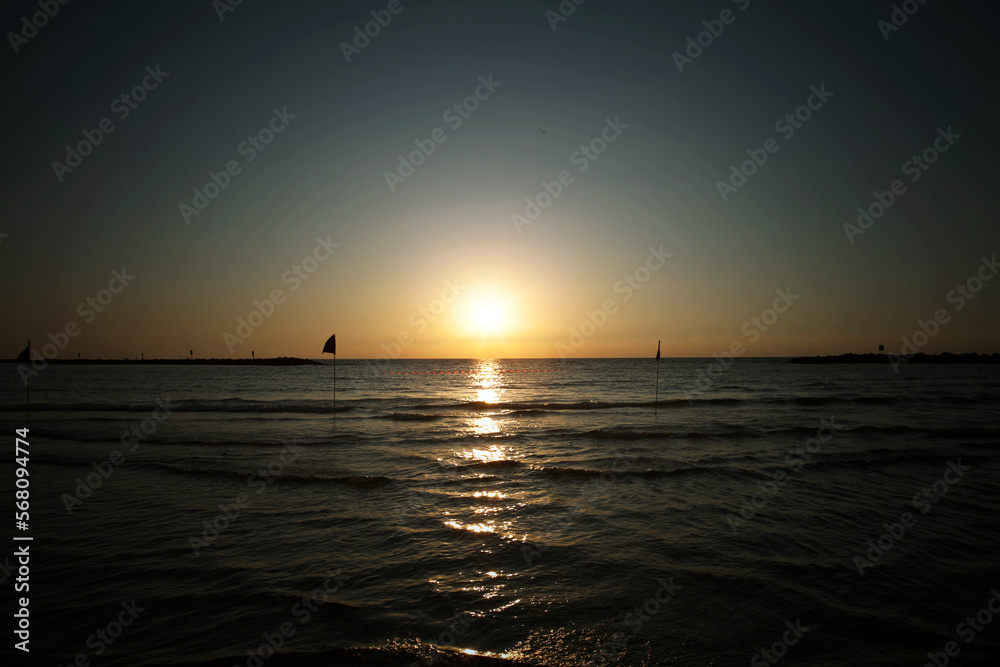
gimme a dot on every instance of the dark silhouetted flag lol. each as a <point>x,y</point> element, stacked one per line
<point>657,350</point>
<point>26,355</point>
<point>331,347</point>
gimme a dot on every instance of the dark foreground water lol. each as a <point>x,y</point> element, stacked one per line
<point>531,511</point>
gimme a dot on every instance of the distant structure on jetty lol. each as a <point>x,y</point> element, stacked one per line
<point>918,358</point>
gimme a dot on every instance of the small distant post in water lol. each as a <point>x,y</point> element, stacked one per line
<point>331,347</point>
<point>656,401</point>
<point>251,355</point>
<point>191,355</point>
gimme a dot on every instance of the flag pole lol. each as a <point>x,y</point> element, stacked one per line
<point>656,403</point>
<point>331,346</point>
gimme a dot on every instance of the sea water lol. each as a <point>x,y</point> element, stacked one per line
<point>538,511</point>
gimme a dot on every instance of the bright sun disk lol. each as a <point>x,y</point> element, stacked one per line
<point>487,316</point>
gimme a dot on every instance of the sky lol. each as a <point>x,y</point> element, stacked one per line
<point>498,179</point>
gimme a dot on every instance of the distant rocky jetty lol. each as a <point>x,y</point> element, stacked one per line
<point>918,358</point>
<point>278,361</point>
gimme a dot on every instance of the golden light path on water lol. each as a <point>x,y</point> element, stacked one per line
<point>486,388</point>
<point>486,384</point>
<point>497,588</point>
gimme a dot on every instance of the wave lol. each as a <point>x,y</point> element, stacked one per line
<point>477,480</point>
<point>625,434</point>
<point>505,463</point>
<point>556,471</point>
<point>389,653</point>
<point>116,440</point>
<point>729,432</point>
<point>515,408</point>
<point>229,405</point>
<point>805,431</point>
<point>411,417</point>
<point>899,429</point>
<point>886,457</point>
<point>360,481</point>
<point>580,405</point>
<point>727,469</point>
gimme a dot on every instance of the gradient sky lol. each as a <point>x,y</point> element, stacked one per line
<point>323,176</point>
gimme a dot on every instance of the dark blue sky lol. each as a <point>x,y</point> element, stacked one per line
<point>525,287</point>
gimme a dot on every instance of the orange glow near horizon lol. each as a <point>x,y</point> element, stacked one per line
<point>479,306</point>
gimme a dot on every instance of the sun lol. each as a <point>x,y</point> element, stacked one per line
<point>487,316</point>
<point>488,313</point>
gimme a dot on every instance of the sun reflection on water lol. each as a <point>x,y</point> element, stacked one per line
<point>487,381</point>
<point>489,511</point>
<point>491,454</point>
<point>484,425</point>
<point>487,395</point>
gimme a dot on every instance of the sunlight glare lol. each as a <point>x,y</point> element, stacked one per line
<point>488,314</point>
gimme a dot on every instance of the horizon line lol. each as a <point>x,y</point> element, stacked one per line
<point>331,359</point>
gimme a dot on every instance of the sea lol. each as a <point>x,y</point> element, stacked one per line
<point>547,512</point>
